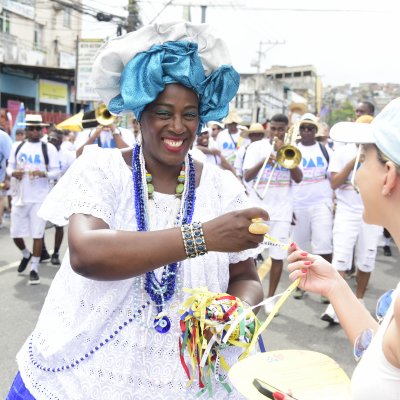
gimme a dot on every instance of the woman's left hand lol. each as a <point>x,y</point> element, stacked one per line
<point>317,275</point>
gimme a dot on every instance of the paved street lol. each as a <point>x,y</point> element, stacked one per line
<point>297,327</point>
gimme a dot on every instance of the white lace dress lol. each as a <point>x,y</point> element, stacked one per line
<point>90,341</point>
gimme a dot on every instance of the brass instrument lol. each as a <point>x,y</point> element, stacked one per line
<point>90,119</point>
<point>288,156</point>
<point>100,116</point>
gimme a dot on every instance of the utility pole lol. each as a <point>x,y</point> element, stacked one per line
<point>257,64</point>
<point>133,20</point>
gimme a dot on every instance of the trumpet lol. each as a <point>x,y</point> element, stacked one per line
<point>100,116</point>
<point>288,156</point>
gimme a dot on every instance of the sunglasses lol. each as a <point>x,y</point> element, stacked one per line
<point>33,128</point>
<point>363,340</point>
<point>309,128</point>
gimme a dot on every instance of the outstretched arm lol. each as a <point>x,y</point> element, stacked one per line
<point>100,253</point>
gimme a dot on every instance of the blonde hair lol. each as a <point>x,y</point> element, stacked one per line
<point>384,159</point>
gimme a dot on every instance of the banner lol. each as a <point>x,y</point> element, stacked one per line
<point>52,92</point>
<point>87,49</point>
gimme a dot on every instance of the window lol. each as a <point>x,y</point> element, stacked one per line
<point>5,22</point>
<point>38,36</point>
<point>67,18</point>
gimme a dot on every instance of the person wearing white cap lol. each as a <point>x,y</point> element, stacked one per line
<point>313,196</point>
<point>143,225</point>
<point>376,343</point>
<point>213,157</point>
<point>351,235</point>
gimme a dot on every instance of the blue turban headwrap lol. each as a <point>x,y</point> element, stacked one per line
<point>144,77</point>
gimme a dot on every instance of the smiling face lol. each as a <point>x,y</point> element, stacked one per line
<point>169,126</point>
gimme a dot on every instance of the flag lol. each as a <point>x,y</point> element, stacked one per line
<point>19,121</point>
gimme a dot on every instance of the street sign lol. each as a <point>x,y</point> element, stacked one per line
<point>87,50</point>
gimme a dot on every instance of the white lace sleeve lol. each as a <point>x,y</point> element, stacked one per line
<point>88,187</point>
<point>234,197</point>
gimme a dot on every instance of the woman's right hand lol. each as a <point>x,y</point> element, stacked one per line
<point>230,232</point>
<point>317,275</point>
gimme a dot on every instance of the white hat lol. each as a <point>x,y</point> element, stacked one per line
<point>130,71</point>
<point>384,131</point>
<point>211,123</point>
<point>33,120</point>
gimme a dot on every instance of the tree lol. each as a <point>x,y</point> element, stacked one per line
<point>344,113</point>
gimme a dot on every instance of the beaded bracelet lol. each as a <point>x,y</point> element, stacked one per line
<point>193,239</point>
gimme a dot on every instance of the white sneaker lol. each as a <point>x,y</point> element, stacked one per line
<point>329,315</point>
<point>269,306</point>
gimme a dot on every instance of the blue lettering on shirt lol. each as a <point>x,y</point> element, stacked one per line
<point>30,158</point>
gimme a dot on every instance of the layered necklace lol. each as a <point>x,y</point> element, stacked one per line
<point>162,290</point>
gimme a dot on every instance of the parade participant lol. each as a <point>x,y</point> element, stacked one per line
<point>255,133</point>
<point>215,157</point>
<point>279,199</point>
<point>377,374</point>
<point>31,166</point>
<point>313,196</point>
<point>229,140</point>
<point>216,127</point>
<point>145,223</point>
<point>351,235</point>
<point>106,137</point>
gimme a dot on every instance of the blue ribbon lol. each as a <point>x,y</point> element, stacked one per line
<point>145,76</point>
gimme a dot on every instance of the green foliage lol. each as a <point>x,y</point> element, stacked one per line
<point>344,113</point>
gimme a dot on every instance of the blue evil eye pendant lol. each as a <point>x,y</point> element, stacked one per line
<point>162,325</point>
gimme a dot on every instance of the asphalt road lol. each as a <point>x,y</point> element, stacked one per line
<point>297,327</point>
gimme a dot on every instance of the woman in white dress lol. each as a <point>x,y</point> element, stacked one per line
<point>143,225</point>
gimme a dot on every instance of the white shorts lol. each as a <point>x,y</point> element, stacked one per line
<point>279,230</point>
<point>25,221</point>
<point>352,234</point>
<point>314,225</point>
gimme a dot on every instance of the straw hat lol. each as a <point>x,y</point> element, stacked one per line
<point>365,119</point>
<point>298,108</point>
<point>254,128</point>
<point>233,118</point>
<point>33,120</point>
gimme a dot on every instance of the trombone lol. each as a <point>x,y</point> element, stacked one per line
<point>288,156</point>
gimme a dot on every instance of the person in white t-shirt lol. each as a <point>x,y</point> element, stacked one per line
<point>109,136</point>
<point>279,198</point>
<point>313,196</point>
<point>229,140</point>
<point>351,235</point>
<point>215,157</point>
<point>31,165</point>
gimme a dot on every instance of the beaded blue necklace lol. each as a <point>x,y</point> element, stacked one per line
<point>161,291</point>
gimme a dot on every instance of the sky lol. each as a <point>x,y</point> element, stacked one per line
<point>349,41</point>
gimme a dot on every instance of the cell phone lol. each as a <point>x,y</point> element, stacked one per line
<point>267,389</point>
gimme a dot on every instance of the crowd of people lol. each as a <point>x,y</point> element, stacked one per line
<point>166,206</point>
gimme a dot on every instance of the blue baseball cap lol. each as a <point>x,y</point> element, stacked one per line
<point>383,131</point>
